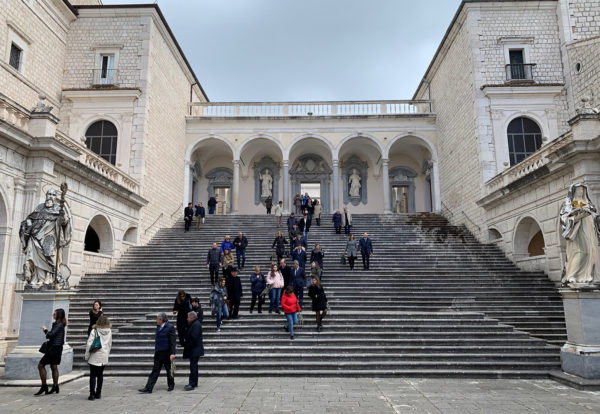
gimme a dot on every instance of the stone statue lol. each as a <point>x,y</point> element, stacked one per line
<point>354,181</point>
<point>267,183</point>
<point>44,234</point>
<point>579,224</point>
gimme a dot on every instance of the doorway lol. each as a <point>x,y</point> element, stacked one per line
<point>400,198</point>
<point>313,189</point>
<point>222,196</point>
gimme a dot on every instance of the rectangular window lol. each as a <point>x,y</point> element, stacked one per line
<point>517,67</point>
<point>16,55</point>
<point>107,70</point>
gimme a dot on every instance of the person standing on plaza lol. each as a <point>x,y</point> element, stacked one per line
<point>200,214</point>
<point>212,204</point>
<point>165,340</point>
<point>269,204</point>
<point>298,281</point>
<point>194,348</point>
<point>98,358</point>
<point>351,250</point>
<point>286,272</point>
<point>214,260</point>
<point>95,313</point>
<point>275,280</point>
<point>279,245</point>
<point>319,301</point>
<point>188,216</point>
<point>279,212</point>
<point>240,243</point>
<point>53,354</point>
<point>218,296</point>
<point>234,292</point>
<point>228,262</point>
<point>318,209</point>
<point>290,306</point>
<point>181,307</point>
<point>317,255</point>
<point>258,283</point>
<point>347,220</point>
<point>337,222</point>
<point>366,250</point>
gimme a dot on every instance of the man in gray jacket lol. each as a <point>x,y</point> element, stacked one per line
<point>213,262</point>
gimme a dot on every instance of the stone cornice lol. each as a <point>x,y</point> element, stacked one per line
<point>112,93</point>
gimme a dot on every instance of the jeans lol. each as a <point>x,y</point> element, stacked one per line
<point>292,319</point>
<point>211,210</point>
<point>299,292</point>
<point>240,254</point>
<point>224,313</point>
<point>305,234</point>
<point>193,372</point>
<point>275,296</point>
<point>161,358</point>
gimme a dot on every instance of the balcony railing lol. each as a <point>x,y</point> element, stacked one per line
<point>102,77</point>
<point>519,72</point>
<point>295,109</point>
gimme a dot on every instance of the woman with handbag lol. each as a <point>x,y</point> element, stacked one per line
<point>52,350</point>
<point>183,305</point>
<point>97,352</point>
<point>275,280</point>
<point>218,297</point>
<point>351,250</point>
<point>95,313</point>
<point>319,301</point>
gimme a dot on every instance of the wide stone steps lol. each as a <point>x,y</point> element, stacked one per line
<point>424,309</point>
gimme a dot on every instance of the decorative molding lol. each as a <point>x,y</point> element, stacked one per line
<point>220,177</point>
<point>403,176</point>
<point>312,168</point>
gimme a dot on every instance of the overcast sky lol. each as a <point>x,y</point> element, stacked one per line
<point>299,50</point>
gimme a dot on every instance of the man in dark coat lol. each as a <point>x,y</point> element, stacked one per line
<point>240,243</point>
<point>298,281</point>
<point>291,220</point>
<point>234,292</point>
<point>197,307</point>
<point>188,216</point>
<point>300,241</point>
<point>293,234</point>
<point>366,250</point>
<point>285,272</point>
<point>214,260</point>
<point>200,214</point>
<point>299,254</point>
<point>164,353</point>
<point>212,203</point>
<point>194,348</point>
<point>337,221</point>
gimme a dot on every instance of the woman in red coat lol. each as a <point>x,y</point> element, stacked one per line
<point>290,306</point>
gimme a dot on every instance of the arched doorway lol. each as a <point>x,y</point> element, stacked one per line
<point>99,236</point>
<point>529,249</point>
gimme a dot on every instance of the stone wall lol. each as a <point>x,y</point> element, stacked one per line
<point>96,263</point>
<point>585,56</point>
<point>584,16</point>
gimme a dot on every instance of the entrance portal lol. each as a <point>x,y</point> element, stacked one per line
<point>313,190</point>
<point>222,196</point>
<point>400,198</point>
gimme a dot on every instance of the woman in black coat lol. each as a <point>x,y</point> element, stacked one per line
<point>279,245</point>
<point>183,305</point>
<point>95,313</point>
<point>319,301</point>
<point>53,354</point>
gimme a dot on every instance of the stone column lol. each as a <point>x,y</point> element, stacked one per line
<point>236,187</point>
<point>336,191</point>
<point>436,202</point>
<point>386,185</point>
<point>286,187</point>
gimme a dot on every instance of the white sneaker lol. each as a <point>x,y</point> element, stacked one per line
<point>218,330</point>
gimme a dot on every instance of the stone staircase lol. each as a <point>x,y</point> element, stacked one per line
<point>435,303</point>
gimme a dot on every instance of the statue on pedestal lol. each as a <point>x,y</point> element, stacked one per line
<point>44,234</point>
<point>579,224</point>
<point>267,184</point>
<point>354,181</point>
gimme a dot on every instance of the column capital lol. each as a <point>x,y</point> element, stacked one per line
<point>236,162</point>
<point>285,163</point>
<point>385,160</point>
<point>335,162</point>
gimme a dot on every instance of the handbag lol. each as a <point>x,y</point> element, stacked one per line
<point>45,347</point>
<point>328,309</point>
<point>300,318</point>
<point>266,290</point>
<point>97,344</point>
<point>343,259</point>
<point>228,302</point>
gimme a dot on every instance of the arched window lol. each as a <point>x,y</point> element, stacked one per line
<point>524,138</point>
<point>101,138</point>
<point>92,241</point>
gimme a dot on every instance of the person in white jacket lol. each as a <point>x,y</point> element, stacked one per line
<point>98,357</point>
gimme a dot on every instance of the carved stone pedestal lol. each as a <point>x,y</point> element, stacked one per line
<point>38,307</point>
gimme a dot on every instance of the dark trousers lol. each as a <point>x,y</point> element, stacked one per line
<point>351,260</point>
<point>338,229</point>
<point>241,257</point>
<point>161,358</point>
<point>261,300</point>
<point>96,378</point>
<point>268,211</point>
<point>365,259</point>
<point>193,372</point>
<point>347,228</point>
<point>299,292</point>
<point>235,307</point>
<point>214,273</point>
<point>318,221</point>
<point>188,223</point>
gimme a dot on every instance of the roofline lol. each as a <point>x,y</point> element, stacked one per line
<point>450,27</point>
<point>70,6</point>
<point>164,21</point>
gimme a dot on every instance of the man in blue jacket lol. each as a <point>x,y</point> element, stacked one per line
<point>366,250</point>
<point>298,281</point>
<point>194,348</point>
<point>200,214</point>
<point>164,353</point>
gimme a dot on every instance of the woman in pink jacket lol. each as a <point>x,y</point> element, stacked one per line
<point>275,280</point>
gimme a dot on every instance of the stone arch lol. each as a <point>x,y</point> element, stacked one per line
<point>368,137</point>
<point>190,150</point>
<point>4,232</point>
<point>131,235</point>
<point>526,230</point>
<point>101,226</point>
<point>101,117</point>
<point>299,139</point>
<point>494,235</point>
<point>264,137</point>
<point>428,144</point>
<point>530,115</point>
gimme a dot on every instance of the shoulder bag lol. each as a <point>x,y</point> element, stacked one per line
<point>97,344</point>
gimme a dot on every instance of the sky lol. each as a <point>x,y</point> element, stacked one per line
<point>307,50</point>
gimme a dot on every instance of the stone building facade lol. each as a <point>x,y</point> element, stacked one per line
<point>504,120</point>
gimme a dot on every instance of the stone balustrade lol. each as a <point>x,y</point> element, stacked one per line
<point>294,109</point>
<point>13,113</point>
<point>106,169</point>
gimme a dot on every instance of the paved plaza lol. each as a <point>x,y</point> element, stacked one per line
<point>310,395</point>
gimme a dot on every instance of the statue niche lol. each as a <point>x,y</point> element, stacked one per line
<point>266,180</point>
<point>354,179</point>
